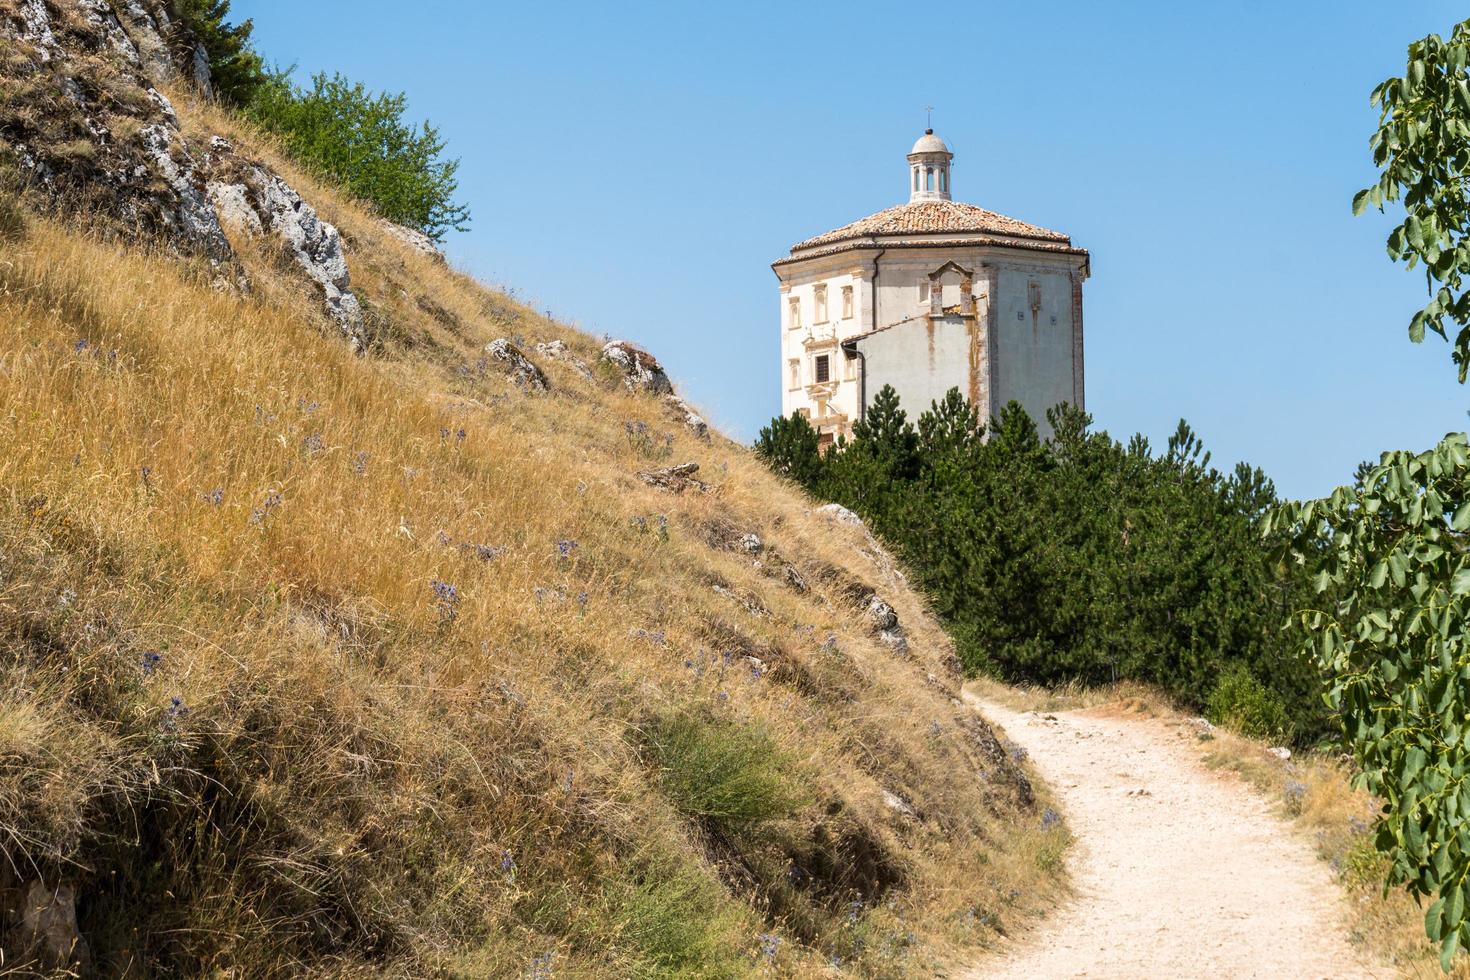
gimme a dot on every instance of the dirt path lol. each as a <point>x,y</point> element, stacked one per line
<point>1179,871</point>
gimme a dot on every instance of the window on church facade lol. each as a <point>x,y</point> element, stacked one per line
<point>849,368</point>
<point>794,305</point>
<point>916,178</point>
<point>929,178</point>
<point>823,368</point>
<point>793,367</point>
<point>847,302</point>
<point>821,302</point>
<point>923,294</point>
<point>944,180</point>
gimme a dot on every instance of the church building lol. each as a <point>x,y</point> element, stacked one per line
<point>928,296</point>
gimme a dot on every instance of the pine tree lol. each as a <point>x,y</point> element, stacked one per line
<point>791,447</point>
<point>236,71</point>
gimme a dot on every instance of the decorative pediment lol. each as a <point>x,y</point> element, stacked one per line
<point>951,267</point>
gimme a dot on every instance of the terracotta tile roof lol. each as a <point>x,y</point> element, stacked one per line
<point>934,217</point>
<point>1005,241</point>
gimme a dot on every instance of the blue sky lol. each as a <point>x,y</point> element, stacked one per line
<point>635,168</point>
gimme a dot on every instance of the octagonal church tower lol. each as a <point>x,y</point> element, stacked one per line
<point>928,296</point>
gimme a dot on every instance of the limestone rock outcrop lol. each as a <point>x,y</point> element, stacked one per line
<point>413,238</point>
<point>97,136</point>
<point>522,370</point>
<point>676,479</point>
<point>691,419</point>
<point>640,370</point>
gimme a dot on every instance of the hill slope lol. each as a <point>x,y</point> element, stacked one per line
<point>339,638</point>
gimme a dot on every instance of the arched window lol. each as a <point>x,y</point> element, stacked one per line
<point>944,179</point>
<point>916,178</point>
<point>928,178</point>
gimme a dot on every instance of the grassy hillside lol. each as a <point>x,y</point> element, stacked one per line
<point>385,665</point>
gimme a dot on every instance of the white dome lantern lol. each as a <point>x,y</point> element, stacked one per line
<point>929,163</point>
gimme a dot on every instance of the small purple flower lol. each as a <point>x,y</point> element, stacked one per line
<point>1050,819</point>
<point>770,943</point>
<point>854,912</point>
<point>272,501</point>
<point>507,864</point>
<point>540,968</point>
<point>150,661</point>
<point>935,728</point>
<point>564,548</point>
<point>312,444</point>
<point>80,345</point>
<point>446,599</point>
<point>724,696</point>
<point>1018,753</point>
<point>360,461</point>
<point>216,496</point>
<point>582,600</point>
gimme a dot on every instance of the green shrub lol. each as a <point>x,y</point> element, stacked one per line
<point>1244,704</point>
<point>678,919</point>
<point>730,775</point>
<point>360,138</point>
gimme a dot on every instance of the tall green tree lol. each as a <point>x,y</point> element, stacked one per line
<point>1390,554</point>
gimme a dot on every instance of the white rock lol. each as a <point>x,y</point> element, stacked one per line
<point>752,543</point>
<point>317,248</point>
<point>196,217</point>
<point>689,416</point>
<point>558,350</point>
<point>523,371</point>
<point>881,614</point>
<point>37,30</point>
<point>894,802</point>
<point>641,371</point>
<point>413,238</point>
<point>99,14</point>
<point>1281,752</point>
<point>839,513</point>
<point>232,204</point>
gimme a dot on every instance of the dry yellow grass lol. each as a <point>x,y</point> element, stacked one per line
<point>237,710</point>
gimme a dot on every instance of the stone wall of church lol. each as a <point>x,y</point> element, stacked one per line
<point>1034,343</point>
<point>922,359</point>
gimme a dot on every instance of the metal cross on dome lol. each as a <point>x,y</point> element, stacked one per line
<point>928,117</point>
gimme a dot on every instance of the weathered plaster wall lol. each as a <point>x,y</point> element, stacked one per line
<point>1033,344</point>
<point>920,361</point>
